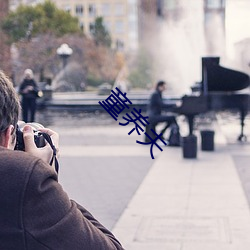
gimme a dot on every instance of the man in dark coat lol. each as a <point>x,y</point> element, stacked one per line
<point>35,212</point>
<point>155,107</point>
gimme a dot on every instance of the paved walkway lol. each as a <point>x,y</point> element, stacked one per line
<point>189,204</point>
<point>180,204</point>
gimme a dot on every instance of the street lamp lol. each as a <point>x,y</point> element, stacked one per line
<point>64,51</point>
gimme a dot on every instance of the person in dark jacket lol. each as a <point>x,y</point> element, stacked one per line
<point>35,212</point>
<point>29,92</point>
<point>155,108</point>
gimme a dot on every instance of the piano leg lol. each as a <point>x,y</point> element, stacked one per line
<point>190,123</point>
<point>243,114</point>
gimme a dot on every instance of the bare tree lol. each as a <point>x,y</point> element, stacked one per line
<point>98,62</point>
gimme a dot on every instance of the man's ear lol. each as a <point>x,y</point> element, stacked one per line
<point>7,140</point>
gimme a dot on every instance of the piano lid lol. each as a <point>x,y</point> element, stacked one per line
<point>218,78</point>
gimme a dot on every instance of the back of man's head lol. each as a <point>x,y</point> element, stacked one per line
<point>9,104</point>
<point>159,84</point>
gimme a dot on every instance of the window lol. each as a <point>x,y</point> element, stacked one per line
<point>132,10</point>
<point>119,27</point>
<point>170,4</point>
<point>119,44</point>
<point>67,8</point>
<point>92,10</point>
<point>119,9</point>
<point>79,10</point>
<point>91,27</point>
<point>132,25</point>
<point>82,26</point>
<point>215,4</point>
<point>106,8</point>
<point>107,25</point>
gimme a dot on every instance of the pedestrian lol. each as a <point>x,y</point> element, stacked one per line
<point>155,108</point>
<point>35,212</point>
<point>29,92</point>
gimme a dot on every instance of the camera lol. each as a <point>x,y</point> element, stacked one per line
<point>38,137</point>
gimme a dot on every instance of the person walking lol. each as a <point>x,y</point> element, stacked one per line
<point>29,92</point>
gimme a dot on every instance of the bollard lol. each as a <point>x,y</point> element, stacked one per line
<point>189,146</point>
<point>207,140</point>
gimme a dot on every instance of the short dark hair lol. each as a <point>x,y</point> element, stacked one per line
<point>9,104</point>
<point>159,84</point>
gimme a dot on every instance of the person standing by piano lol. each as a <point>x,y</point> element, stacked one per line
<point>154,111</point>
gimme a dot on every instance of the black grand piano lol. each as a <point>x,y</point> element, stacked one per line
<point>220,89</point>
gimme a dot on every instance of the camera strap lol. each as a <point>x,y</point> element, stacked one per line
<point>48,139</point>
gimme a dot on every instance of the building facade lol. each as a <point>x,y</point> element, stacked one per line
<point>120,18</point>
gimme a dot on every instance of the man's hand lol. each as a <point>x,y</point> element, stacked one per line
<point>45,153</point>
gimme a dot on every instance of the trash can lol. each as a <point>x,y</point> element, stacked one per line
<point>189,146</point>
<point>207,140</point>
